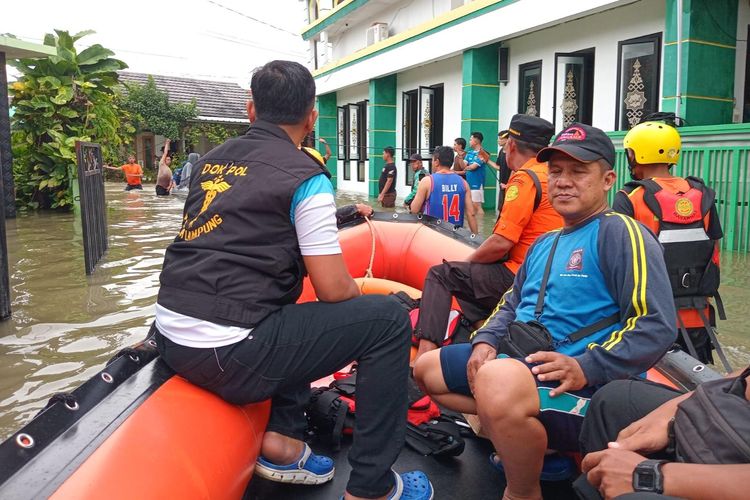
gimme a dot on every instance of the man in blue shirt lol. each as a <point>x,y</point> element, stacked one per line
<point>475,170</point>
<point>605,301</point>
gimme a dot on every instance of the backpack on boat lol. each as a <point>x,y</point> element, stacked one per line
<point>458,331</point>
<point>331,414</point>
<point>713,425</point>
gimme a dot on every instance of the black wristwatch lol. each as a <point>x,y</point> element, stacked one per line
<point>647,476</point>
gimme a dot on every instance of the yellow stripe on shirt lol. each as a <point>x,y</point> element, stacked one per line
<point>639,282</point>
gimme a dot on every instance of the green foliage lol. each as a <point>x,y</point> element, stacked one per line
<point>214,132</point>
<point>59,100</point>
<point>151,110</point>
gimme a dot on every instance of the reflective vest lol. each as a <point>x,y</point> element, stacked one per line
<point>688,250</point>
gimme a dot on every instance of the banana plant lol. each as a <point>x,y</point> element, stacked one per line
<point>64,98</point>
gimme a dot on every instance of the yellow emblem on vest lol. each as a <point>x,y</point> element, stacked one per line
<point>683,207</point>
<point>512,193</point>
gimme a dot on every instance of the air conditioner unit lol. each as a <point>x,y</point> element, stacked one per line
<point>376,33</point>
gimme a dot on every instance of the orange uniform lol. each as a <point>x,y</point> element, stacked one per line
<point>518,221</point>
<point>133,173</point>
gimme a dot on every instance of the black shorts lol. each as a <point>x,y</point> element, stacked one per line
<point>562,416</point>
<point>130,187</point>
<point>160,191</point>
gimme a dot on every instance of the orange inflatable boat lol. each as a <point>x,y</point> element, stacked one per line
<point>136,430</point>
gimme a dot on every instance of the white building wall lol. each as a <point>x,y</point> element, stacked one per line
<point>447,72</point>
<point>400,17</point>
<point>743,20</point>
<point>352,95</point>
<point>602,31</point>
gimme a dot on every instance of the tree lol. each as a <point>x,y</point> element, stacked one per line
<point>59,100</point>
<point>151,110</point>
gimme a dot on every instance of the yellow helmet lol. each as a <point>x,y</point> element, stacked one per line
<point>654,142</point>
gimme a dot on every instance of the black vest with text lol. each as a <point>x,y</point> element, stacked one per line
<point>236,258</point>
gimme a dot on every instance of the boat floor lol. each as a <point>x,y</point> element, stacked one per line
<point>468,476</point>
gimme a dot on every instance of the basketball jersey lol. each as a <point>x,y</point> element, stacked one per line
<point>447,198</point>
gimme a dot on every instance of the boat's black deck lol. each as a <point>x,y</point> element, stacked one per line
<point>468,476</point>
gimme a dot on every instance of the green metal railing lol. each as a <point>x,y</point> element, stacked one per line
<point>719,155</point>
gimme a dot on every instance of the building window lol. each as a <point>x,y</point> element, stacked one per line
<point>422,131</point>
<point>410,116</point>
<point>574,88</point>
<point>352,138</point>
<point>353,131</point>
<point>637,80</point>
<point>530,85</point>
<point>341,133</point>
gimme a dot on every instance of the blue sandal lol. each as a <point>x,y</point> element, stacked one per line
<point>556,467</point>
<point>309,468</point>
<point>412,485</point>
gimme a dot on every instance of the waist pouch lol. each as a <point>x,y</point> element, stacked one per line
<point>525,338</point>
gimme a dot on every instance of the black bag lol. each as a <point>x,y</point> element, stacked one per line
<point>527,337</point>
<point>713,425</point>
<point>439,437</point>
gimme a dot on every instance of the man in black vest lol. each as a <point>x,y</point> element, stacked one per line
<point>260,216</point>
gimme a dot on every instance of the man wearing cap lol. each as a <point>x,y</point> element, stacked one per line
<point>415,161</point>
<point>599,287</point>
<point>479,282</point>
<point>503,170</point>
<point>444,194</point>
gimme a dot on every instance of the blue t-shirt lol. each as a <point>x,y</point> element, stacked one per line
<point>606,264</point>
<point>447,198</point>
<point>475,178</point>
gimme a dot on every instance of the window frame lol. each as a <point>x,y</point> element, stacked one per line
<point>589,56</point>
<point>656,38</point>
<point>522,98</point>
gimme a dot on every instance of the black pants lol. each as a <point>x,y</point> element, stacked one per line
<point>130,187</point>
<point>301,343</point>
<point>161,191</point>
<point>614,407</point>
<point>477,287</point>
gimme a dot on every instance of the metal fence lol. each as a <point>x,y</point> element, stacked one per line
<point>719,155</point>
<point>93,211</point>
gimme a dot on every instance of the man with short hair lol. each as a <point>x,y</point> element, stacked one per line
<point>682,213</point>
<point>598,288</point>
<point>479,283</point>
<point>459,147</point>
<point>501,166</point>
<point>164,182</point>
<point>133,173</point>
<point>475,170</point>
<point>415,162</point>
<point>444,193</point>
<point>387,181</point>
<point>226,315</point>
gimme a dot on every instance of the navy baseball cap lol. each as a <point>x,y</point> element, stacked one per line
<point>581,142</point>
<point>530,129</point>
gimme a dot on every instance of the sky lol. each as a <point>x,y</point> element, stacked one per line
<point>204,39</point>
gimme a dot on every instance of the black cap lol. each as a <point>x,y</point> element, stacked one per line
<point>583,143</point>
<point>503,134</point>
<point>532,129</point>
<point>416,157</point>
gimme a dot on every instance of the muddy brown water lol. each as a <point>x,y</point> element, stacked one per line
<point>65,325</point>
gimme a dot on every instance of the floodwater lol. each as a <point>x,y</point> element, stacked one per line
<point>65,325</point>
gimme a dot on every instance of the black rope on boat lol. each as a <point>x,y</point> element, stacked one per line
<point>61,397</point>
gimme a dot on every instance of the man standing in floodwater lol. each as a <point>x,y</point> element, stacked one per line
<point>164,183</point>
<point>226,317</point>
<point>133,173</point>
